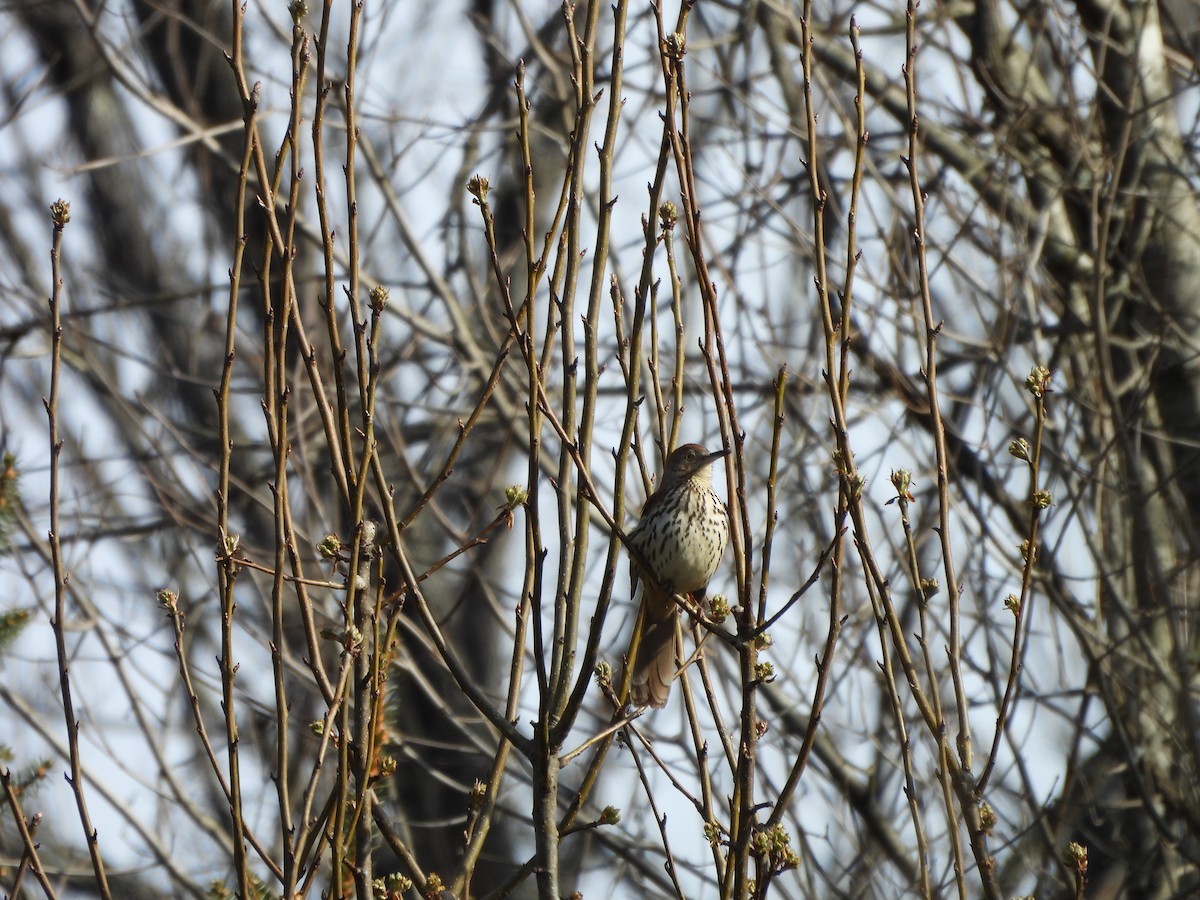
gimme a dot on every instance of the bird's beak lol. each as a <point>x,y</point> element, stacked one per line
<point>715,455</point>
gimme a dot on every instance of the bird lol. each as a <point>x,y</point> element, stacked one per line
<point>681,537</point>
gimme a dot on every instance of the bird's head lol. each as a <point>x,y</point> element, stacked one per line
<point>690,461</point>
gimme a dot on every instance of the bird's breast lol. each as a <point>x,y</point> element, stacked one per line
<point>683,538</point>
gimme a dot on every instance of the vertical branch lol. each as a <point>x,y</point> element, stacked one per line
<point>1038,384</point>
<point>606,152</point>
<point>357,321</point>
<point>26,830</point>
<point>772,514</point>
<point>60,213</point>
<point>543,759</point>
<point>956,777</point>
<point>312,831</point>
<point>668,213</point>
<point>484,797</point>
<point>328,302</point>
<point>923,589</point>
<point>852,251</point>
<point>596,294</point>
<point>545,820</point>
<point>573,553</point>
<point>363,607</point>
<point>363,615</point>
<point>668,217</point>
<point>837,549</point>
<point>666,435</point>
<point>364,604</point>
<point>523,322</point>
<point>937,427</point>
<point>340,798</point>
<point>228,543</point>
<point>277,406</point>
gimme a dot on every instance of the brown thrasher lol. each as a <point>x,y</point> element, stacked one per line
<point>681,537</point>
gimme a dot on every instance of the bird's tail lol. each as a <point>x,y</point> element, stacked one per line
<point>654,661</point>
